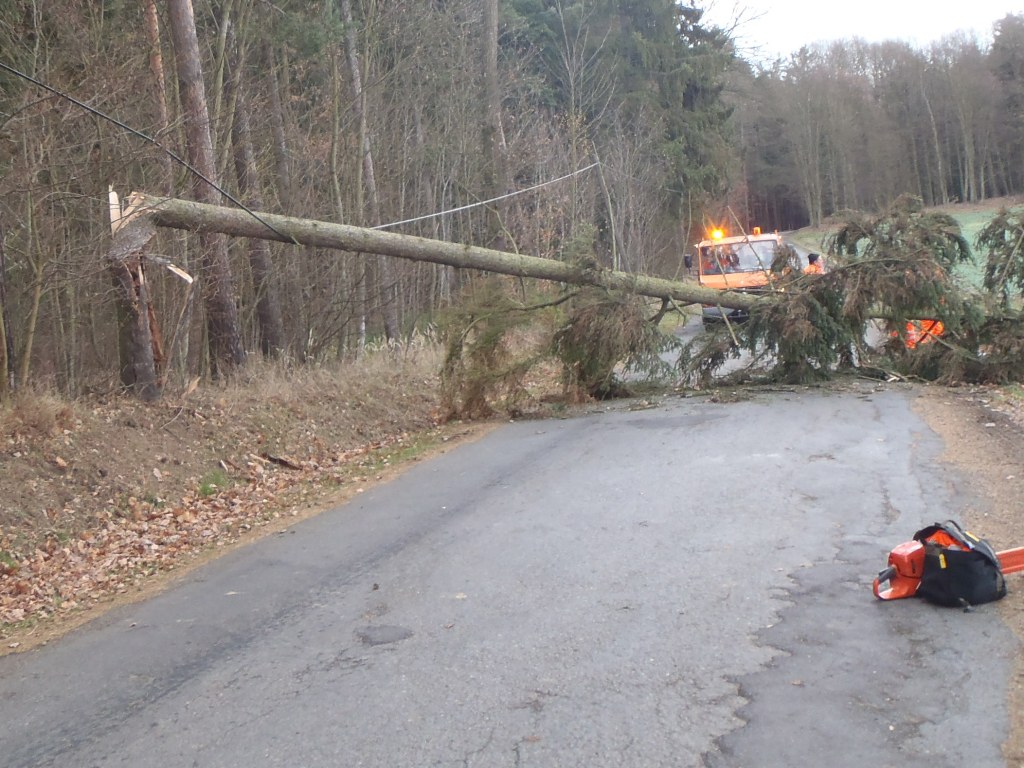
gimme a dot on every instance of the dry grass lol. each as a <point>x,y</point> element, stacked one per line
<point>34,416</point>
<point>102,496</point>
<point>66,465</point>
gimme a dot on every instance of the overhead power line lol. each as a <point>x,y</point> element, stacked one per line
<point>135,132</point>
<point>183,163</point>
<point>487,202</point>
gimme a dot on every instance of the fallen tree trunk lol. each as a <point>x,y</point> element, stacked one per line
<point>200,217</point>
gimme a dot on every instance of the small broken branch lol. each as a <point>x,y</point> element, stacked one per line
<point>280,461</point>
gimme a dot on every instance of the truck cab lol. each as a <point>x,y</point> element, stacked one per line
<point>735,263</point>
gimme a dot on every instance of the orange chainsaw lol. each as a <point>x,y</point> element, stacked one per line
<point>906,564</point>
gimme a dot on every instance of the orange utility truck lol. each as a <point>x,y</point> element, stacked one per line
<point>735,263</point>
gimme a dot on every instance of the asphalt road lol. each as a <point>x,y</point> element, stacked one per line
<point>681,585</point>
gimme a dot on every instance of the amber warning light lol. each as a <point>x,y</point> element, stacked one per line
<point>717,234</point>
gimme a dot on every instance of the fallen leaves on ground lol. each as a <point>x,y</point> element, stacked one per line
<point>141,537</point>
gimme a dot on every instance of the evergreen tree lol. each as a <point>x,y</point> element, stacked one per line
<point>652,61</point>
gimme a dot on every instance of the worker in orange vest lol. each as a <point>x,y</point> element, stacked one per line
<point>813,265</point>
<point>923,332</point>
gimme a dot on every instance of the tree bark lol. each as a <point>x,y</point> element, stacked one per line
<point>943,193</point>
<point>285,193</point>
<point>494,176</point>
<point>156,66</point>
<point>268,304</point>
<point>138,362</point>
<point>37,266</point>
<point>388,282</point>
<point>226,350</point>
<point>6,342</point>
<point>203,218</point>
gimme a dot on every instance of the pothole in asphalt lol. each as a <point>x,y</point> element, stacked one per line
<point>382,635</point>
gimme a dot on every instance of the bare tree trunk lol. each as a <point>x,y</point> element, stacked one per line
<point>6,343</point>
<point>221,114</point>
<point>937,146</point>
<point>386,270</point>
<point>226,351</point>
<point>285,193</point>
<point>494,165</point>
<point>31,328</point>
<point>198,217</point>
<point>268,303</point>
<point>156,66</point>
<point>138,359</point>
<point>33,247</point>
<point>339,204</point>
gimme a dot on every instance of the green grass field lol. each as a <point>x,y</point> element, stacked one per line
<point>971,218</point>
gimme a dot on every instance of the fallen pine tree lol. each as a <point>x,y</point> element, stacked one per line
<point>897,269</point>
<point>134,227</point>
<point>894,268</point>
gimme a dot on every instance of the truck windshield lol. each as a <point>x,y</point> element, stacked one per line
<point>751,256</point>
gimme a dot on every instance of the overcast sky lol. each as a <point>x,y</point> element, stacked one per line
<point>770,28</point>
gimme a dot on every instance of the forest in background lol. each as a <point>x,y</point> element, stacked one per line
<point>599,131</point>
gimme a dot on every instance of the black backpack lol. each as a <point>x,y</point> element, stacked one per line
<point>959,568</point>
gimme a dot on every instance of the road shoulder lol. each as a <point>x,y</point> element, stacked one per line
<point>984,438</point>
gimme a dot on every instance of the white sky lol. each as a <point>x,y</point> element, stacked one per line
<point>770,28</point>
